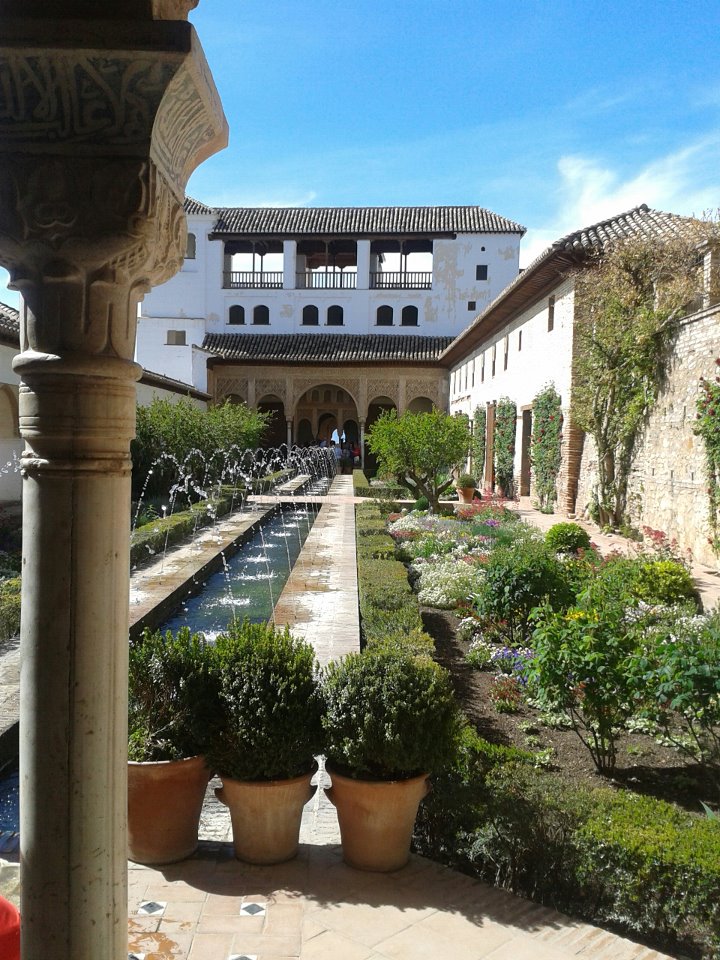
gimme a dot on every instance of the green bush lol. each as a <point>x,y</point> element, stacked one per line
<point>380,547</point>
<point>389,715</point>
<point>518,578</point>
<point>677,682</point>
<point>450,815</point>
<point>172,696</point>
<point>652,868</point>
<point>9,608</point>
<point>665,581</point>
<point>412,640</point>
<point>567,538</point>
<point>388,607</point>
<point>582,664</point>
<point>270,704</point>
<point>607,856</point>
<point>505,430</point>
<point>466,480</point>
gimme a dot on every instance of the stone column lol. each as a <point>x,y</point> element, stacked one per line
<point>289,425</point>
<point>363,264</point>
<point>289,264</point>
<point>96,144</point>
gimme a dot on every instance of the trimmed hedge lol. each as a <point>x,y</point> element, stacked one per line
<point>631,861</point>
<point>385,491</point>
<point>361,484</point>
<point>389,612</point>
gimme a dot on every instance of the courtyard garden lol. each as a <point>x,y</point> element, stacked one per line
<point>588,773</point>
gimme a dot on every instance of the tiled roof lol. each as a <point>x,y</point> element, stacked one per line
<point>197,209</point>
<point>639,222</point>
<point>325,347</point>
<point>9,323</point>
<point>151,379</point>
<point>553,263</point>
<point>360,221</point>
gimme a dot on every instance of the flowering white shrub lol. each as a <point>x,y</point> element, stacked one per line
<point>445,583</point>
<point>480,653</point>
<point>468,629</point>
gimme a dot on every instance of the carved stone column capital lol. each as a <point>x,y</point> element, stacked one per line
<point>97,141</point>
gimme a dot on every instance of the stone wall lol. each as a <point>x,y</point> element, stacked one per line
<point>668,485</point>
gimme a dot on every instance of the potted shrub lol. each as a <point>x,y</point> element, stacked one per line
<point>465,487</point>
<point>390,721</point>
<point>171,706</point>
<point>270,732</point>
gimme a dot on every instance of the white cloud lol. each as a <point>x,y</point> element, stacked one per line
<point>686,181</point>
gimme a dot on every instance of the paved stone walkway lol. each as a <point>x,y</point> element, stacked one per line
<point>320,599</point>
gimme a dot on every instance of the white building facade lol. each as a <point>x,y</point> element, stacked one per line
<point>523,342</point>
<point>390,270</point>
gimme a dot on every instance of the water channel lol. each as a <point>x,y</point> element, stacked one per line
<point>251,581</point>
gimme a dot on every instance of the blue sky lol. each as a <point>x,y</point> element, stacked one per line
<point>553,114</point>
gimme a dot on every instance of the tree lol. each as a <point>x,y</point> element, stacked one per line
<point>628,303</point>
<point>178,439</point>
<point>420,449</point>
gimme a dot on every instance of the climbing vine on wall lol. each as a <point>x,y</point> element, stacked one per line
<point>707,426</point>
<point>629,300</point>
<point>504,442</point>
<point>545,445</point>
<point>478,445</point>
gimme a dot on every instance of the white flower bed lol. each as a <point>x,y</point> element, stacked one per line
<point>446,582</point>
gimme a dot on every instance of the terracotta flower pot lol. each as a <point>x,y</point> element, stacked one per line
<point>376,819</point>
<point>465,494</point>
<point>266,816</point>
<point>164,804</point>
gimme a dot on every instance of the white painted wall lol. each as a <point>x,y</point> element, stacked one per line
<point>196,296</point>
<point>545,357</point>
<point>154,352</point>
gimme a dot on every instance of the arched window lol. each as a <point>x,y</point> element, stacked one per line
<point>335,316</point>
<point>261,315</point>
<point>409,317</point>
<point>236,315</point>
<point>310,316</point>
<point>384,316</point>
<point>190,247</point>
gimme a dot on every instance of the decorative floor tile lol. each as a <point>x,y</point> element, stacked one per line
<point>252,910</point>
<point>151,908</point>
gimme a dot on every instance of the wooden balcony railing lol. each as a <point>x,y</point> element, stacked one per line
<point>399,280</point>
<point>249,280</point>
<point>320,280</point>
